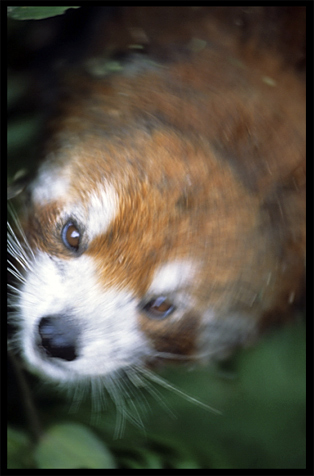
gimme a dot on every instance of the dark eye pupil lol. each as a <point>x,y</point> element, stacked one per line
<point>159,307</point>
<point>71,236</point>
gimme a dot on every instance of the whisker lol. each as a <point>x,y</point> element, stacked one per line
<point>137,379</point>
<point>197,357</point>
<point>163,383</point>
<point>20,230</point>
<point>118,392</point>
<point>126,391</point>
<point>15,272</point>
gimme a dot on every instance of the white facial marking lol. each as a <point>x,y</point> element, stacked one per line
<point>172,276</point>
<point>51,184</point>
<point>109,338</point>
<point>102,208</point>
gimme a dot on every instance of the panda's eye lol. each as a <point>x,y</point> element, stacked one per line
<point>159,307</point>
<point>71,236</point>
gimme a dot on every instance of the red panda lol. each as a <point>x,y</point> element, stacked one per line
<point>167,221</point>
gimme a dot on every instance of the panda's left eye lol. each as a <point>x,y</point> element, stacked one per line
<point>71,236</point>
<point>159,307</point>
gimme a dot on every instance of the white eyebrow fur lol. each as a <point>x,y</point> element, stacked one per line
<point>51,184</point>
<point>101,209</point>
<point>172,276</point>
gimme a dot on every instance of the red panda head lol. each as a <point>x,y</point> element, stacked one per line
<point>167,221</point>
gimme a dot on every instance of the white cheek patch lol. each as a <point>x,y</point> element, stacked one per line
<point>172,277</point>
<point>106,319</point>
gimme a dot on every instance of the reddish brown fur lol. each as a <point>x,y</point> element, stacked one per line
<point>207,152</point>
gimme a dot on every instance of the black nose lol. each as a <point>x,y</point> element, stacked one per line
<point>59,337</point>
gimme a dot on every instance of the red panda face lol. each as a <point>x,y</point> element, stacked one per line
<point>167,222</point>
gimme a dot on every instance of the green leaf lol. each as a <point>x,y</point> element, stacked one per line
<point>19,446</point>
<point>68,445</point>
<point>35,13</point>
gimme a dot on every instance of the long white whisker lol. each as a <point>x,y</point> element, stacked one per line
<point>198,357</point>
<point>140,381</point>
<point>16,273</point>
<point>24,239</point>
<point>118,392</point>
<point>163,383</point>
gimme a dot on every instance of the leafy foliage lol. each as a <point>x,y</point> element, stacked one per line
<point>261,394</point>
<point>35,13</point>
